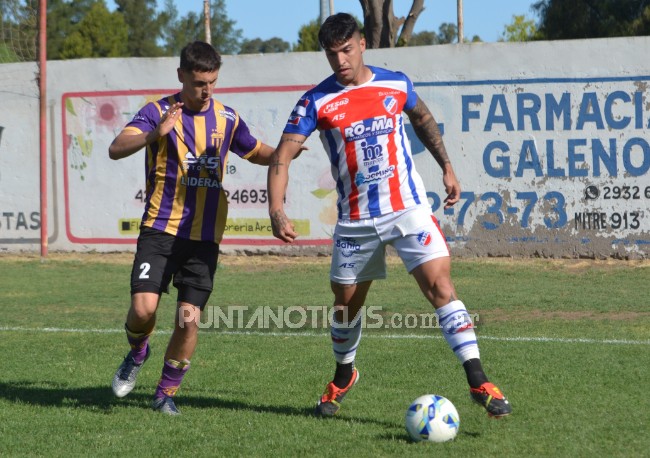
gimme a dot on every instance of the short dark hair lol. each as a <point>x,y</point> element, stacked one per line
<point>337,29</point>
<point>199,56</point>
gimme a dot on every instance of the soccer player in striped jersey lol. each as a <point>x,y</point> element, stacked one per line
<point>359,113</point>
<point>188,138</point>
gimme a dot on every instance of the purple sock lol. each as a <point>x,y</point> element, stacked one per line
<point>171,378</point>
<point>139,342</point>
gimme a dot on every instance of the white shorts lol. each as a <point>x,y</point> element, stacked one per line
<point>359,247</point>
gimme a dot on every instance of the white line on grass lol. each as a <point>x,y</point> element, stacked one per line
<point>323,334</point>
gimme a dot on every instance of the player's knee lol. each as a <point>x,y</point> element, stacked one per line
<point>143,306</point>
<point>443,292</point>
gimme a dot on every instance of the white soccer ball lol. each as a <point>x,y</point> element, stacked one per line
<point>432,418</point>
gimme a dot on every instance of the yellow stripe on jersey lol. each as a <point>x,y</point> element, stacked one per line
<point>222,216</point>
<point>159,173</point>
<point>181,191</point>
<point>201,192</point>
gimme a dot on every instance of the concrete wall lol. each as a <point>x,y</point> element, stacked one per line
<point>549,141</point>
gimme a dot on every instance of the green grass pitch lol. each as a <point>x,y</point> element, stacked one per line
<point>567,341</point>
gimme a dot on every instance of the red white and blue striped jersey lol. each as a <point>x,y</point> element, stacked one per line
<point>185,169</point>
<point>362,130</point>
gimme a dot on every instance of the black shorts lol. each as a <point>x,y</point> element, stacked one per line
<point>161,257</point>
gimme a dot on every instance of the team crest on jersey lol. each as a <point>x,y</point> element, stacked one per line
<point>424,238</point>
<point>390,104</point>
<point>216,138</point>
<point>347,246</point>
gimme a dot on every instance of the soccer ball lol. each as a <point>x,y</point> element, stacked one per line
<point>432,418</point>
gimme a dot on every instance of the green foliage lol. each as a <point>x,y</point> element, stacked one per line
<point>257,45</point>
<point>7,54</point>
<point>562,20</point>
<point>63,17</point>
<point>183,31</point>
<point>308,37</point>
<point>18,30</point>
<point>179,31</point>
<point>99,34</point>
<point>145,26</point>
<point>519,30</point>
<point>447,33</point>
<point>225,36</point>
<point>424,38</point>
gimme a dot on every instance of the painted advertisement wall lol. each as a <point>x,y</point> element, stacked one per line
<point>549,141</point>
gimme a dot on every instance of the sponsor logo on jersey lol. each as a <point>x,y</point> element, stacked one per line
<point>373,176</point>
<point>332,107</point>
<point>200,182</point>
<point>191,162</point>
<point>390,104</point>
<point>383,93</point>
<point>372,154</point>
<point>372,127</point>
<point>227,114</point>
<point>294,120</point>
<point>347,246</point>
<point>424,238</point>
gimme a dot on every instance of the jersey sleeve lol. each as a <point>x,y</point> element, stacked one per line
<point>304,117</point>
<point>147,118</point>
<point>243,143</point>
<point>411,95</point>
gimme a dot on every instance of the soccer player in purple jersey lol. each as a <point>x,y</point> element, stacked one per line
<point>188,137</point>
<point>381,201</point>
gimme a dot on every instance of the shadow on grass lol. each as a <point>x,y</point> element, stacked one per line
<point>49,394</point>
<point>406,439</point>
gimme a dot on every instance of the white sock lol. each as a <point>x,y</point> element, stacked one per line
<point>458,329</point>
<point>345,340</point>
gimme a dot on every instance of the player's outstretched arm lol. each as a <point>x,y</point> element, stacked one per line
<point>263,156</point>
<point>427,130</point>
<point>129,142</point>
<point>278,178</point>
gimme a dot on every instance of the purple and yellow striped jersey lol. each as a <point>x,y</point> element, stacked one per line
<point>185,168</point>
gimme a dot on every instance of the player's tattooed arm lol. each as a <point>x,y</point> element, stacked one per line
<point>278,220</point>
<point>294,140</point>
<point>282,226</point>
<point>275,164</point>
<point>427,130</point>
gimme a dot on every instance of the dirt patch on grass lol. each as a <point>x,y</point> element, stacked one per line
<point>572,265</point>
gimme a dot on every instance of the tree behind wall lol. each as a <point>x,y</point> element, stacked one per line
<point>99,34</point>
<point>561,19</point>
<point>18,30</point>
<point>382,28</point>
<point>145,25</point>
